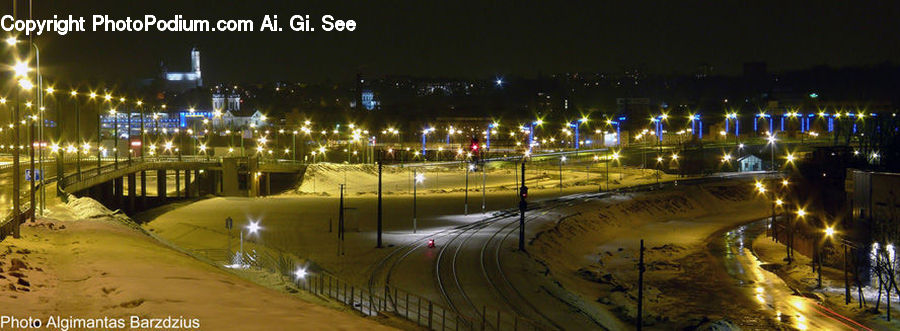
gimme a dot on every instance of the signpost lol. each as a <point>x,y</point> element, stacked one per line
<point>523,193</point>
<point>229,224</point>
<point>38,175</point>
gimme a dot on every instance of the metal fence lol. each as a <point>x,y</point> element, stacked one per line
<point>410,306</point>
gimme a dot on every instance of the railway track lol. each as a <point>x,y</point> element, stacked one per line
<point>502,225</point>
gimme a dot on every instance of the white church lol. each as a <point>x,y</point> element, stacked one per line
<point>185,80</point>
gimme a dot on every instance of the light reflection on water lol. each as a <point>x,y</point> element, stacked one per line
<point>777,302</point>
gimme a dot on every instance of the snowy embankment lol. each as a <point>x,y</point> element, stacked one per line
<point>362,179</point>
<point>87,262</point>
<point>592,250</point>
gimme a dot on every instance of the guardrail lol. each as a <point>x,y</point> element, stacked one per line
<point>87,176</point>
<point>396,302</point>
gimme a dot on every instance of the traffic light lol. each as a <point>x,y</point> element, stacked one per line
<point>523,191</point>
<point>473,145</point>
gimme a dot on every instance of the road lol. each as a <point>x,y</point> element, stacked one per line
<point>785,306</point>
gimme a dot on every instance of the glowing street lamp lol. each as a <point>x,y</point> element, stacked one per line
<point>790,158</point>
<point>419,178</point>
<point>252,228</point>
<point>300,273</point>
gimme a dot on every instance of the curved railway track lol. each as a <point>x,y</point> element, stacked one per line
<point>503,225</point>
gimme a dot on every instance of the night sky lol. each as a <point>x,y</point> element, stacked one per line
<point>477,39</point>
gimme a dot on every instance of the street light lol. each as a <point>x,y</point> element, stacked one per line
<point>790,158</point>
<point>469,168</point>
<point>615,156</point>
<point>300,273</point>
<point>772,140</point>
<point>252,228</point>
<point>418,179</point>
<point>561,161</point>
<point>115,115</point>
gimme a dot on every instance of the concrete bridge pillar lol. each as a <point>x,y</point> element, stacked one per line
<point>229,175</point>
<point>197,179</point>
<point>132,190</point>
<point>161,185</point>
<point>177,184</point>
<point>254,176</point>
<point>119,189</point>
<point>268,183</point>
<point>187,183</point>
<point>143,189</point>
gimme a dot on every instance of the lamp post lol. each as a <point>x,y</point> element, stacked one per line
<point>59,156</point>
<point>801,213</point>
<point>615,156</point>
<point>659,161</point>
<point>827,233</point>
<point>771,140</point>
<point>115,115</point>
<point>607,169</point>
<point>418,179</point>
<point>140,105</point>
<point>252,228</point>
<point>106,98</point>
<point>17,209</point>
<point>40,104</point>
<point>294,147</point>
<point>469,168</point>
<point>32,141</point>
<point>74,95</point>
<point>561,160</point>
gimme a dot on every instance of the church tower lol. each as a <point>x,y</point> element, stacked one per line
<point>195,65</point>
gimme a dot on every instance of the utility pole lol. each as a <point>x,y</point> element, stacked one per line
<point>379,199</point>
<point>523,193</point>
<point>607,169</point>
<point>17,209</point>
<point>846,279</point>
<point>341,223</point>
<point>640,303</point>
<point>99,139</point>
<point>560,174</point>
<point>468,165</point>
<point>77,135</point>
<point>33,173</point>
<point>483,184</point>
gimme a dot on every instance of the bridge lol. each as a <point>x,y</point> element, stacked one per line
<point>124,185</point>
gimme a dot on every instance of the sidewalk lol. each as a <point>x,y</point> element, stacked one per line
<point>801,278</point>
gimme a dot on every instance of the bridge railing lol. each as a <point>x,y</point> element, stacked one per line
<point>7,224</point>
<point>88,174</point>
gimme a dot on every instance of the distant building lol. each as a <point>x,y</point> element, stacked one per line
<point>183,81</point>
<point>368,100</point>
<point>874,199</point>
<point>226,101</point>
<point>750,162</point>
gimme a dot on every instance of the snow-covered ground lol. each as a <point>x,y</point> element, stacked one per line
<point>585,253</point>
<point>303,223</point>
<point>591,250</point>
<point>82,261</point>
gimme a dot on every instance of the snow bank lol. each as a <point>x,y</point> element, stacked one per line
<point>88,208</point>
<point>324,179</point>
<point>591,248</point>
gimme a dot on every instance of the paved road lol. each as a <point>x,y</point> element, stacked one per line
<point>786,307</point>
